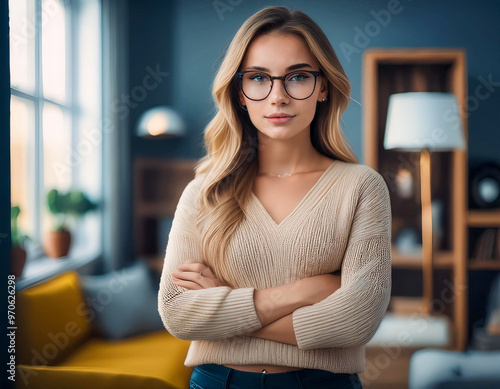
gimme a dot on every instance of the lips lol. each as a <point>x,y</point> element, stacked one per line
<point>279,118</point>
<point>279,115</point>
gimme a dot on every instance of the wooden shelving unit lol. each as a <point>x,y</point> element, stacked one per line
<point>158,185</point>
<point>484,219</point>
<point>442,260</point>
<point>388,71</point>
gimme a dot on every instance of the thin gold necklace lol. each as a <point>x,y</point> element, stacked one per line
<point>287,174</point>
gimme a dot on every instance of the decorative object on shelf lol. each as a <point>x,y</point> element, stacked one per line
<point>425,122</point>
<point>485,186</point>
<point>407,241</point>
<point>437,223</point>
<point>160,122</point>
<point>486,244</point>
<point>72,203</point>
<point>404,183</point>
<point>18,252</point>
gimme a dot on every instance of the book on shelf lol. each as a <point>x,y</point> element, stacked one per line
<point>487,245</point>
<point>497,250</point>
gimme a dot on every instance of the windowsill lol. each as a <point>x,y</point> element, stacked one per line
<point>41,269</point>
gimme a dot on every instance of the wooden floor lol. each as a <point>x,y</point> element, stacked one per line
<point>386,368</point>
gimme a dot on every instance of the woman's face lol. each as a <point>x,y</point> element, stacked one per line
<point>277,54</point>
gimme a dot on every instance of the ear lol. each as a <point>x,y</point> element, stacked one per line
<point>323,92</point>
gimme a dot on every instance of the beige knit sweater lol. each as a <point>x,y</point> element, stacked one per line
<point>343,222</point>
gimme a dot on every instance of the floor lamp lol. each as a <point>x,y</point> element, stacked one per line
<point>424,122</point>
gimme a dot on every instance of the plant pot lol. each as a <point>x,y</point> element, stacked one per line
<point>18,260</point>
<point>57,243</point>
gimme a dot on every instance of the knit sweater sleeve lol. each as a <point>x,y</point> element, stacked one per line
<point>351,315</point>
<point>205,314</point>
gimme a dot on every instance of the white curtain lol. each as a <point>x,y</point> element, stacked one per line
<point>117,170</point>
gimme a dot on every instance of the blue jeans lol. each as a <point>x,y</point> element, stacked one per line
<point>213,376</point>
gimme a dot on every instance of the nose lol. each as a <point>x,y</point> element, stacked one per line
<point>278,94</point>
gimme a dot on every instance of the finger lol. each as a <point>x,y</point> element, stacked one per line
<point>187,275</point>
<point>190,276</point>
<point>187,284</point>
<point>197,267</point>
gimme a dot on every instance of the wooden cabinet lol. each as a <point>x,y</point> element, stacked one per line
<point>158,185</point>
<point>388,71</point>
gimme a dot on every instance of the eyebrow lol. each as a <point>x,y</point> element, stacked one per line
<point>290,68</point>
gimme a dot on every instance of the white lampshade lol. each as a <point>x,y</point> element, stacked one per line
<point>418,120</point>
<point>160,122</point>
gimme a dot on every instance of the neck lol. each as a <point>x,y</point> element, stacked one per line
<point>286,157</point>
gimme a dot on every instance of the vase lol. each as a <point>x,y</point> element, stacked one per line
<point>18,260</point>
<point>57,243</point>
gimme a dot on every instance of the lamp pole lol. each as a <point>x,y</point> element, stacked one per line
<point>427,249</point>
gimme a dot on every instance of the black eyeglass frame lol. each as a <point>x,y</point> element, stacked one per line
<point>240,75</point>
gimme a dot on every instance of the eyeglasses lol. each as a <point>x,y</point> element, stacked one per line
<point>257,85</point>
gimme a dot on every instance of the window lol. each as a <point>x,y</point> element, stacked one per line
<point>55,114</point>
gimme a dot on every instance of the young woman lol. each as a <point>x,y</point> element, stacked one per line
<point>277,266</point>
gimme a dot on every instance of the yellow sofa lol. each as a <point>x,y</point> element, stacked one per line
<point>56,347</point>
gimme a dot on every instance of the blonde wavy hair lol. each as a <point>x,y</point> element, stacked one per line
<point>231,163</point>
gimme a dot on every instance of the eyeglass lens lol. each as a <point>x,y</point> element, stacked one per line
<point>257,85</point>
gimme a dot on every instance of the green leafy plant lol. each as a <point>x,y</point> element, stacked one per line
<point>73,203</point>
<point>18,238</point>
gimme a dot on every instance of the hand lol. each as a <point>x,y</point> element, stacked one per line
<point>318,288</point>
<point>189,277</point>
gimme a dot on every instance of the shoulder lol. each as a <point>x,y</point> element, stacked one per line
<point>195,183</point>
<point>361,175</point>
<point>365,183</point>
<point>191,192</point>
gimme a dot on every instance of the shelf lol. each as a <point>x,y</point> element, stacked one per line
<point>158,186</point>
<point>484,218</point>
<point>485,264</point>
<point>442,260</point>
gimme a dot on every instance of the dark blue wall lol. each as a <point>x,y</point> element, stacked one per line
<point>191,35</point>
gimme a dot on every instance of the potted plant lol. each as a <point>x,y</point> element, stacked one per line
<point>72,203</point>
<point>18,252</point>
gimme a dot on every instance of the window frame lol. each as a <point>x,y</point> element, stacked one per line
<point>42,265</point>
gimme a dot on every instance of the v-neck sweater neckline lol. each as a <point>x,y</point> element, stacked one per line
<point>310,198</point>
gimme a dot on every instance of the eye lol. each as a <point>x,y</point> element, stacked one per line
<point>298,77</point>
<point>258,77</point>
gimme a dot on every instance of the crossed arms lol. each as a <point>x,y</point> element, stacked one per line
<point>274,306</point>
